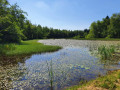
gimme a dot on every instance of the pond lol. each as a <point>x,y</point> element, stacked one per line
<point>76,61</point>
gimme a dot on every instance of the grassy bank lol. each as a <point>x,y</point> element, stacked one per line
<point>30,47</point>
<point>109,82</point>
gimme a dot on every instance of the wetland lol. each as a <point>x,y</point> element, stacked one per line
<point>76,61</point>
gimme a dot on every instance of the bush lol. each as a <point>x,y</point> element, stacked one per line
<point>77,37</point>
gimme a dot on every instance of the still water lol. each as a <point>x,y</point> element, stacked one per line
<point>76,61</point>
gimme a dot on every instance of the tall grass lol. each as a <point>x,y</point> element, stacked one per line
<point>51,75</point>
<point>4,48</point>
<point>29,47</point>
<point>106,52</point>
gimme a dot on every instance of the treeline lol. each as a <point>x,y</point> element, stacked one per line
<point>15,27</point>
<point>39,32</point>
<point>109,27</point>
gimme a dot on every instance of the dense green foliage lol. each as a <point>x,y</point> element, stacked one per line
<point>11,19</point>
<point>107,28</point>
<point>14,26</point>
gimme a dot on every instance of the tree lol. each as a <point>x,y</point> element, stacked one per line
<point>28,30</point>
<point>4,7</point>
<point>105,23</point>
<point>10,18</point>
<point>86,32</point>
<point>114,27</point>
<point>92,32</point>
<point>99,29</point>
<point>10,32</point>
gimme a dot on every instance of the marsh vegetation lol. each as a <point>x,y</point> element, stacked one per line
<point>31,64</point>
<point>106,52</point>
<point>26,48</point>
<point>76,61</point>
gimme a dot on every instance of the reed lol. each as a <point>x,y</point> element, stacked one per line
<point>106,52</point>
<point>51,75</point>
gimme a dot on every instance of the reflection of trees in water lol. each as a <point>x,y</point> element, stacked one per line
<point>11,69</point>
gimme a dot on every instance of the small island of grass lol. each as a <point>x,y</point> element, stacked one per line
<point>26,48</point>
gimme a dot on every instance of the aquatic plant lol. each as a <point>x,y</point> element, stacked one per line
<point>106,52</point>
<point>50,71</point>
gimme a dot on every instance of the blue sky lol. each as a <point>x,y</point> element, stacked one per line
<point>67,14</point>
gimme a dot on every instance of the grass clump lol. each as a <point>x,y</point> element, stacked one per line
<point>4,48</point>
<point>108,84</point>
<point>118,75</point>
<point>29,47</point>
<point>106,52</point>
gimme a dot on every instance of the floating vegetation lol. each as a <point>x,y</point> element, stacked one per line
<point>56,70</point>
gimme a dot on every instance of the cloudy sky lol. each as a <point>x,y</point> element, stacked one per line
<point>67,14</point>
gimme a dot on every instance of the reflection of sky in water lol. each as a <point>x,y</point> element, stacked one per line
<point>69,65</point>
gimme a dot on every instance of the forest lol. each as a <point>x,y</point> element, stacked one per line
<point>109,27</point>
<point>14,27</point>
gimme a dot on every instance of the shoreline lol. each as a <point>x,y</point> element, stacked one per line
<point>110,81</point>
<point>30,47</point>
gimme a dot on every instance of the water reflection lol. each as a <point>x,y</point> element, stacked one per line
<point>63,68</point>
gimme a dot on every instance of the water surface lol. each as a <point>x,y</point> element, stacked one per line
<point>66,67</point>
